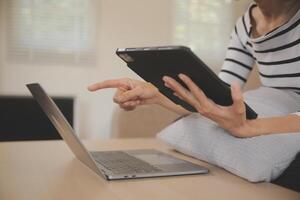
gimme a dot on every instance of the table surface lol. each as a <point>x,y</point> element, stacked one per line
<point>48,170</point>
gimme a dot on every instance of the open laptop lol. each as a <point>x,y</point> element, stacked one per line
<point>114,165</point>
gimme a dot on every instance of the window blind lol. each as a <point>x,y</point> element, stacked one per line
<point>60,31</point>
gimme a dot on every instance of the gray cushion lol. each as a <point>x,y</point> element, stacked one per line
<point>261,158</point>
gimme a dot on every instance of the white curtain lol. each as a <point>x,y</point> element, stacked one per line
<point>60,31</point>
<point>205,26</point>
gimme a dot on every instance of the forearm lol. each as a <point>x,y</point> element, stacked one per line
<point>265,126</point>
<point>170,105</point>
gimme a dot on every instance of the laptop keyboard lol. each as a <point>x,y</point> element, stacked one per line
<point>120,162</point>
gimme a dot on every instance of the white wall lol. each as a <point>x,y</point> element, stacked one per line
<point>120,24</point>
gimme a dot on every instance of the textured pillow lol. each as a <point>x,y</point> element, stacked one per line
<point>256,159</point>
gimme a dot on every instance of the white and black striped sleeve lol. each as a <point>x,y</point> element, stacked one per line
<point>238,62</point>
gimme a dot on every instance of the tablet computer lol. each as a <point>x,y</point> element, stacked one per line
<point>152,63</point>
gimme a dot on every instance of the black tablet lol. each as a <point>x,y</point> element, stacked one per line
<point>152,63</point>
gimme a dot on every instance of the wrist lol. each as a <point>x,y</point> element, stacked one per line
<point>249,128</point>
<point>254,127</point>
<point>170,105</point>
<point>259,126</point>
<point>162,100</point>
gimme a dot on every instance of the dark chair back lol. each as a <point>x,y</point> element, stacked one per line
<point>21,118</point>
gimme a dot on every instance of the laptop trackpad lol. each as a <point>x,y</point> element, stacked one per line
<point>167,163</point>
<point>158,159</point>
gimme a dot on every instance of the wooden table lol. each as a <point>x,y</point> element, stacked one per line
<point>48,170</point>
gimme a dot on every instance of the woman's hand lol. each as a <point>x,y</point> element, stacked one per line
<point>232,118</point>
<point>130,93</point>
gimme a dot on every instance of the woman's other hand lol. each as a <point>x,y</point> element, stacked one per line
<point>232,118</point>
<point>130,93</point>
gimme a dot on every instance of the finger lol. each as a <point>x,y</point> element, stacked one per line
<point>175,94</point>
<point>180,90</point>
<point>118,95</point>
<point>174,85</point>
<point>127,108</point>
<point>204,102</point>
<point>130,105</point>
<point>115,83</point>
<point>237,98</point>
<point>167,85</point>
<point>131,94</point>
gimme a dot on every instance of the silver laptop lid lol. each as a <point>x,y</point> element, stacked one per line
<point>62,126</point>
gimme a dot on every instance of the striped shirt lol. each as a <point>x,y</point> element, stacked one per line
<point>276,54</point>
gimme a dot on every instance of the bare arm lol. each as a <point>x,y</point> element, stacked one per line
<point>170,105</point>
<point>273,125</point>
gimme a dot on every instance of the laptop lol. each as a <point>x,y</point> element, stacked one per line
<point>114,165</point>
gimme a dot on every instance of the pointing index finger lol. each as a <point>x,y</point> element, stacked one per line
<point>116,83</point>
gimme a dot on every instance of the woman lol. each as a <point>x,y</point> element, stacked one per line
<point>268,35</point>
